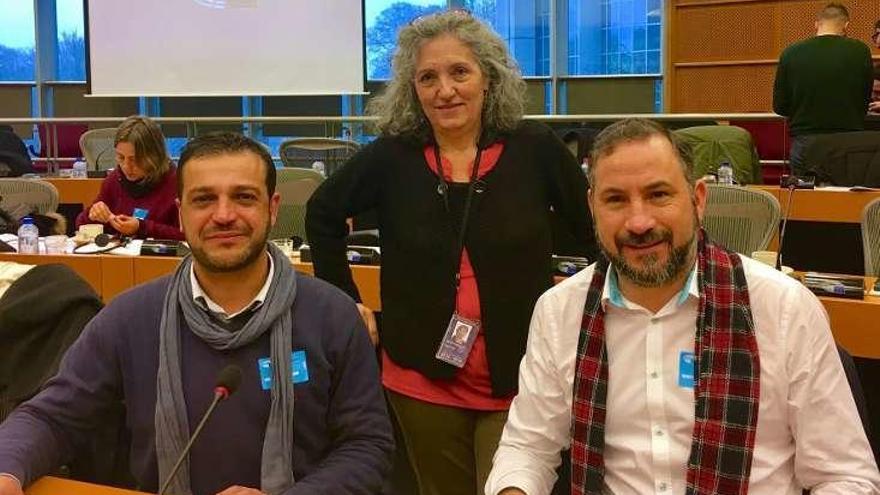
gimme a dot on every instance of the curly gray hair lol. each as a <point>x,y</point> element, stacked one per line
<point>398,107</point>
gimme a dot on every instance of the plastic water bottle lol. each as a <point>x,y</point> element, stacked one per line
<point>79,169</point>
<point>725,173</point>
<point>28,237</point>
<point>318,166</point>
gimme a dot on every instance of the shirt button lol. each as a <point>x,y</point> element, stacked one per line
<point>659,433</point>
<point>654,321</point>
<point>662,486</point>
<point>654,374</point>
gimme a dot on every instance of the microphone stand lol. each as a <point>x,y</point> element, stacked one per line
<point>791,187</point>
<point>220,393</point>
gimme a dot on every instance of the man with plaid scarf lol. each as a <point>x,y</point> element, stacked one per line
<point>674,366</point>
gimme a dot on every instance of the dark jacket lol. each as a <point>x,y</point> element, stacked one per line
<point>41,314</point>
<point>13,154</point>
<point>508,241</point>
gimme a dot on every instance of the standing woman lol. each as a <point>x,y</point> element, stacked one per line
<point>463,189</point>
<point>137,198</point>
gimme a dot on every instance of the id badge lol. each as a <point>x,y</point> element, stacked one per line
<point>140,213</point>
<point>458,340</point>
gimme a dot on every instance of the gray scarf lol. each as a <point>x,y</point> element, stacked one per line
<point>172,427</point>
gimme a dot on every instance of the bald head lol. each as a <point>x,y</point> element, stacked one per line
<point>832,19</point>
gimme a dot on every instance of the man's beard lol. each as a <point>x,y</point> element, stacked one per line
<point>247,256</point>
<point>653,274</point>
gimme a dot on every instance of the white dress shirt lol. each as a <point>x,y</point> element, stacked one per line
<point>201,298</point>
<point>808,433</point>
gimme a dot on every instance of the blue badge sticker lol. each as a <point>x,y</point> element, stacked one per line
<point>299,369</point>
<point>686,369</point>
<point>140,213</point>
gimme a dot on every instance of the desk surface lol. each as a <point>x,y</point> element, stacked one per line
<point>111,275</point>
<point>76,191</point>
<point>853,321</point>
<point>823,205</point>
<point>49,485</point>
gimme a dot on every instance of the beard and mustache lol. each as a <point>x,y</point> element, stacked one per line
<point>652,273</point>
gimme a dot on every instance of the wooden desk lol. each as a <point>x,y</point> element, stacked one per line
<point>76,191</point>
<point>111,275</point>
<point>49,485</point>
<point>854,322</point>
<point>821,205</point>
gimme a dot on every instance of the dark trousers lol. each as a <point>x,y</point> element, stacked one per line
<point>450,449</point>
<point>797,155</point>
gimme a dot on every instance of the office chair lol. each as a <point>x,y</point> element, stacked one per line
<point>40,196</point>
<point>97,148</point>
<point>303,152</point>
<point>871,237</point>
<point>296,186</point>
<point>712,144</point>
<point>743,220</point>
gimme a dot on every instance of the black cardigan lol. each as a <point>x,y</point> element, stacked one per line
<point>508,242</point>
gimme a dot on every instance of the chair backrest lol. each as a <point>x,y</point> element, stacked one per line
<point>303,152</point>
<point>97,148</point>
<point>845,158</point>
<point>39,195</point>
<point>296,186</point>
<point>741,219</point>
<point>713,144</point>
<point>871,237</point>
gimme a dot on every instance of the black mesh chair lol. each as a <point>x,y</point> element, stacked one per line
<point>303,152</point>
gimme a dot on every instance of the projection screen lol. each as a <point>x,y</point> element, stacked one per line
<point>225,47</point>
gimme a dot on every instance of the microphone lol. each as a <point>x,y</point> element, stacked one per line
<point>103,240</point>
<point>790,182</point>
<point>227,383</point>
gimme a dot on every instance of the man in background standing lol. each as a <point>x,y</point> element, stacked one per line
<point>823,84</point>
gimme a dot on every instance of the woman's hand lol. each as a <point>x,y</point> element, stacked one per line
<point>370,322</point>
<point>125,224</point>
<point>99,212</point>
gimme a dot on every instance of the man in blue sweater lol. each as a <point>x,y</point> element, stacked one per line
<point>309,416</point>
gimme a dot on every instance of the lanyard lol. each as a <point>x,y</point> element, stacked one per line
<point>443,189</point>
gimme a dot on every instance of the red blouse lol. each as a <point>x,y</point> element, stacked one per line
<point>471,387</point>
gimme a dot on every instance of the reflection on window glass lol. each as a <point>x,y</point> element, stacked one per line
<point>71,40</point>
<point>17,40</point>
<point>383,19</point>
<point>607,37</point>
<point>524,25</point>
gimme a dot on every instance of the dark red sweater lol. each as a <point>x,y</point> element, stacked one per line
<point>161,222</point>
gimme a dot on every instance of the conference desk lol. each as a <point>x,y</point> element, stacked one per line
<point>854,322</point>
<point>823,232</point>
<point>837,205</point>
<point>49,485</point>
<point>76,191</point>
<point>110,275</point>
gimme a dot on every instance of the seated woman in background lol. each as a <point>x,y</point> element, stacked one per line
<point>137,197</point>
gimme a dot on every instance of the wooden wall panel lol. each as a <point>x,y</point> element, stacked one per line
<point>744,88</point>
<point>721,54</point>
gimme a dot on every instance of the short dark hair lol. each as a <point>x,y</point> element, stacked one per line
<point>877,25</point>
<point>224,143</point>
<point>834,12</point>
<point>636,129</point>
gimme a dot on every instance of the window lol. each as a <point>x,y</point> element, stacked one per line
<point>383,19</point>
<point>611,37</point>
<point>71,40</point>
<point>17,41</point>
<point>524,25</point>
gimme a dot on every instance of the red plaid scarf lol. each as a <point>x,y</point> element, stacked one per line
<point>726,392</point>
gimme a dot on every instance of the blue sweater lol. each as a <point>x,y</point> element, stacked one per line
<point>342,435</point>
